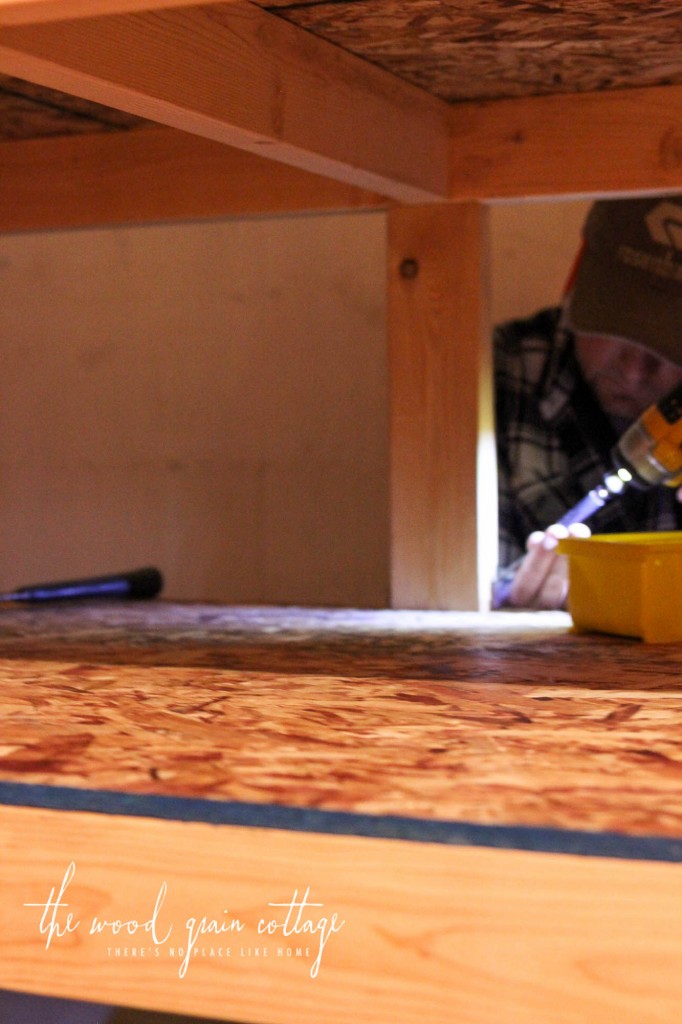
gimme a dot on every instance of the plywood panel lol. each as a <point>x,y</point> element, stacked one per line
<point>500,721</point>
<point>209,397</point>
<point>458,51</point>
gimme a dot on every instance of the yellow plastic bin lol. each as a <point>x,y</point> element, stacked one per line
<point>627,583</point>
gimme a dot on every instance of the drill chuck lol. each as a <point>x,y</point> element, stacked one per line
<point>650,450</point>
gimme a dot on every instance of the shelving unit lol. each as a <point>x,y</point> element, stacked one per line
<point>431,111</point>
<point>487,873</point>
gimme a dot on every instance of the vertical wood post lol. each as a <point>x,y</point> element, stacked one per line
<point>443,478</point>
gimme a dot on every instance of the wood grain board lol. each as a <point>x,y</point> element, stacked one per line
<point>27,12</point>
<point>158,175</point>
<point>476,936</point>
<point>440,401</point>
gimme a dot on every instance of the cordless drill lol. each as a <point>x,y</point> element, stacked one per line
<point>649,453</point>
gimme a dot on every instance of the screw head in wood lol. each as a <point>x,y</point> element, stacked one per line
<point>409,268</point>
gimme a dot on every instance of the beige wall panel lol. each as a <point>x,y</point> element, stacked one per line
<point>533,248</point>
<point>207,398</point>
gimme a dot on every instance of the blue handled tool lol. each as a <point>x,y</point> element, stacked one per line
<point>140,583</point>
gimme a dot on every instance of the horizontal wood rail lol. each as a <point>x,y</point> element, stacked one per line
<point>587,144</point>
<point>153,174</point>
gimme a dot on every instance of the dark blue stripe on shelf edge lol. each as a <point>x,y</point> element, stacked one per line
<point>383,826</point>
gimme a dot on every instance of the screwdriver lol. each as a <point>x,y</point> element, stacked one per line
<point>140,583</point>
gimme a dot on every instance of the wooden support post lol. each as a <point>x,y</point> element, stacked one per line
<point>442,448</point>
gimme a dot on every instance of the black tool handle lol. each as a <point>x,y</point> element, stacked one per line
<point>140,583</point>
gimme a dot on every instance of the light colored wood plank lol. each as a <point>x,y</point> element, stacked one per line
<point>589,144</point>
<point>236,74</point>
<point>477,936</point>
<point>371,970</point>
<point>154,174</point>
<point>441,408</point>
<point>27,12</point>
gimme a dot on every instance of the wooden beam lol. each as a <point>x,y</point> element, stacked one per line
<point>28,12</point>
<point>441,409</point>
<point>588,144</point>
<point>372,969</point>
<point>473,934</point>
<point>236,74</point>
<point>153,174</point>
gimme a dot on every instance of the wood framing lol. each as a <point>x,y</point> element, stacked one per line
<point>473,934</point>
<point>440,399</point>
<point>153,174</point>
<point>27,12</point>
<point>591,144</point>
<point>236,74</point>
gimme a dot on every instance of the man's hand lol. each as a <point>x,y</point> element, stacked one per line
<point>541,580</point>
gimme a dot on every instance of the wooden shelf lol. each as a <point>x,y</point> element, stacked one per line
<point>390,713</point>
<point>450,785</point>
<point>491,807</point>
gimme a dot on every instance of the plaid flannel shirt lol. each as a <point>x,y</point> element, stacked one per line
<point>554,441</point>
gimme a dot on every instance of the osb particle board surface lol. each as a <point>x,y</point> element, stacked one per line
<point>491,49</point>
<point>31,111</point>
<point>450,646</point>
<point>436,717</point>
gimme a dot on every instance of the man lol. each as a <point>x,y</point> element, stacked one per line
<point>570,380</point>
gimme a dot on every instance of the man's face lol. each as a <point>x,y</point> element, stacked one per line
<point>625,377</point>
